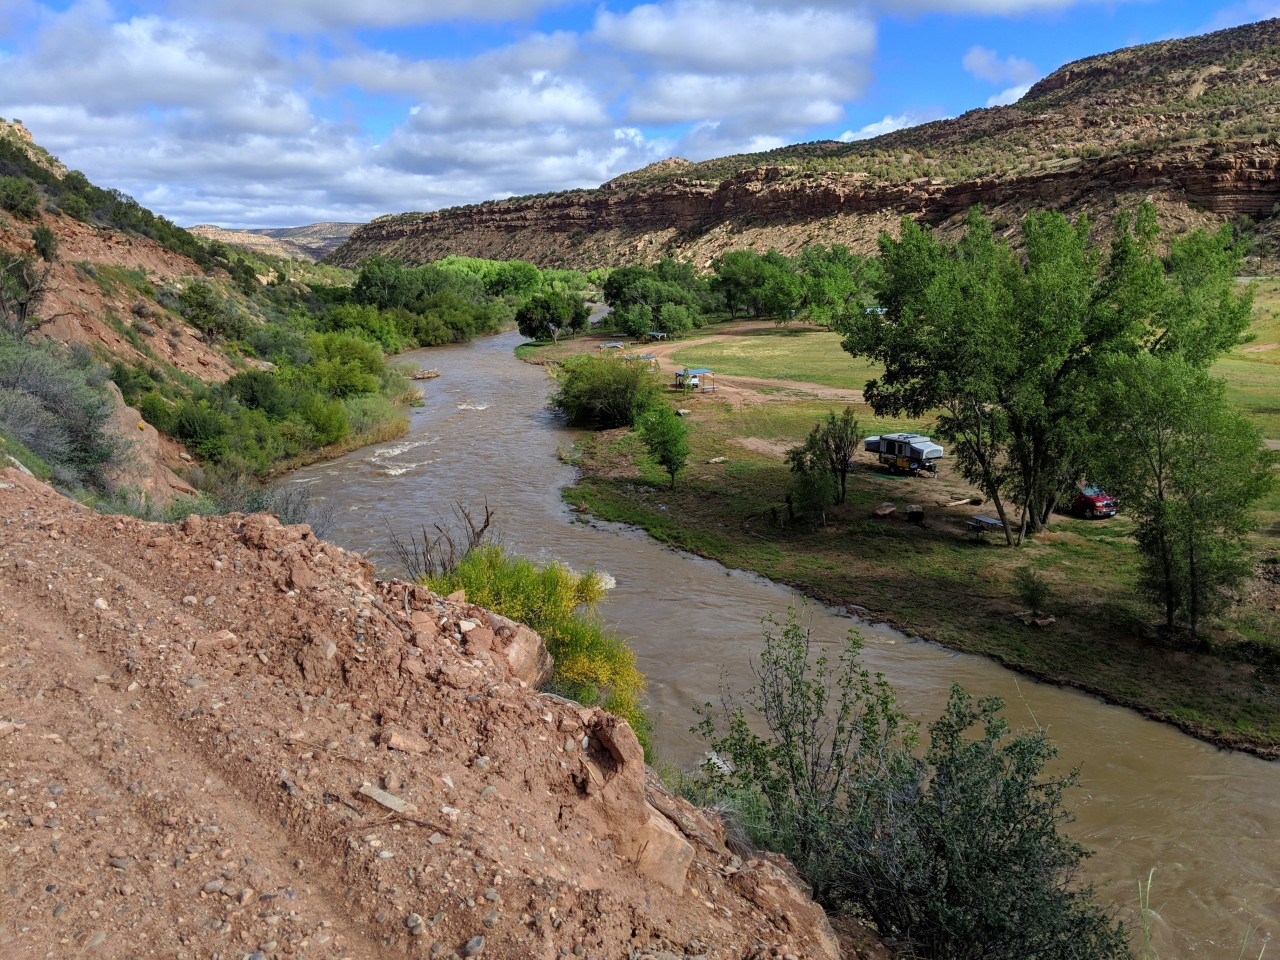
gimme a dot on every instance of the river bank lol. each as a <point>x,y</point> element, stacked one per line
<point>1151,797</point>
<point>929,579</point>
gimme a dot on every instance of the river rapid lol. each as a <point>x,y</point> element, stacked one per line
<point>1206,820</point>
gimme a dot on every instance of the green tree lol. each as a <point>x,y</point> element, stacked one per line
<point>829,449</point>
<point>835,284</point>
<point>958,855</point>
<point>641,295</point>
<point>780,291</point>
<point>675,319</point>
<point>202,307</point>
<point>813,489</point>
<point>666,436</point>
<point>833,730</point>
<point>1008,348</point>
<point>385,283</point>
<point>1188,469</point>
<point>548,314</point>
<point>738,274</point>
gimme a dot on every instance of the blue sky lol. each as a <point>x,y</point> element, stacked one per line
<point>284,112</point>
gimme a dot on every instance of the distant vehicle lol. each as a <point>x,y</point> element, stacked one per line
<point>694,381</point>
<point>909,452</point>
<point>1093,501</point>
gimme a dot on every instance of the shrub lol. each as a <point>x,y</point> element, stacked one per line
<point>957,855</point>
<point>604,391</point>
<point>157,411</point>
<point>1031,588</point>
<point>20,197</point>
<point>54,404</point>
<point>202,307</point>
<point>46,243</point>
<point>592,665</point>
<point>368,412</point>
<point>325,418</point>
<point>202,428</point>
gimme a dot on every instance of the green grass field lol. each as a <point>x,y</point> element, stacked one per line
<point>806,355</point>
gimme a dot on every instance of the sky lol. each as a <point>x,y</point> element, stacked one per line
<point>257,113</point>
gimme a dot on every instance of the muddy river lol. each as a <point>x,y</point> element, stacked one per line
<point>1207,821</point>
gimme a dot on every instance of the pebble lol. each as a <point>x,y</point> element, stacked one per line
<point>97,940</point>
<point>481,763</point>
<point>492,918</point>
<point>413,920</point>
<point>474,947</point>
<point>213,886</point>
<point>100,604</point>
<point>436,838</point>
<point>122,863</point>
<point>189,600</point>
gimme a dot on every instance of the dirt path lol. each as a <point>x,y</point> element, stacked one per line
<point>225,739</point>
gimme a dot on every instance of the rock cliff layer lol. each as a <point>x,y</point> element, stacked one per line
<point>1192,124</point>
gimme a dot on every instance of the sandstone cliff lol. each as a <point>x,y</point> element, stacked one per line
<point>1192,124</point>
<point>227,738</point>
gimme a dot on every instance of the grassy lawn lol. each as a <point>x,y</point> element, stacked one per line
<point>934,579</point>
<point>804,354</point>
<point>1252,372</point>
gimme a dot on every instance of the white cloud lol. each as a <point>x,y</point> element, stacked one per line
<point>721,35</point>
<point>986,65</point>
<point>322,15</point>
<point>266,113</point>
<point>797,99</point>
<point>889,124</point>
<point>1011,95</point>
<point>988,7</point>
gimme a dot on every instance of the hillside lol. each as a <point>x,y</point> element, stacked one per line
<point>1192,124</point>
<point>312,242</point>
<point>226,736</point>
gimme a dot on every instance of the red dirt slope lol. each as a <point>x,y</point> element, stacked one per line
<point>225,739</point>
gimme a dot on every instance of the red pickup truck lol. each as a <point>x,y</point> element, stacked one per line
<point>1093,502</point>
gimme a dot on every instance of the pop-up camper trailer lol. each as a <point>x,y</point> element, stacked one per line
<point>905,451</point>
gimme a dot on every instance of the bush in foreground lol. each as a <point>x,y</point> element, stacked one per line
<point>957,854</point>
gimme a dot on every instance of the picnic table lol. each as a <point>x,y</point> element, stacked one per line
<point>981,525</point>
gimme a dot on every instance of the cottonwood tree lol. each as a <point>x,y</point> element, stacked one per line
<point>1188,469</point>
<point>546,315</point>
<point>1006,347</point>
<point>835,283</point>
